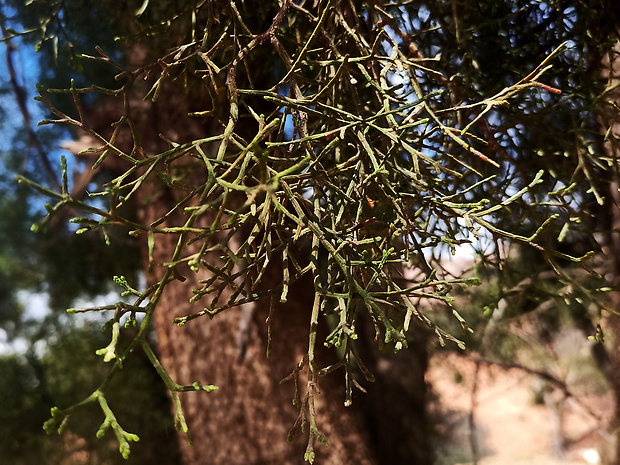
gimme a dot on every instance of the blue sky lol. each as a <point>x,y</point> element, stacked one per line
<point>25,63</point>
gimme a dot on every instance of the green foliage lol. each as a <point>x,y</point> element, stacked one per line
<point>22,409</point>
<point>67,369</point>
<point>371,138</point>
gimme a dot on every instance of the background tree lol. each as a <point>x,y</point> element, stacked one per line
<point>68,370</point>
<point>378,137</point>
<point>48,358</point>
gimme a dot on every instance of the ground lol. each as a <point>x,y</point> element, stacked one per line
<point>511,427</point>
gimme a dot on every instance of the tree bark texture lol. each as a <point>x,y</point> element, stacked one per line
<point>246,421</point>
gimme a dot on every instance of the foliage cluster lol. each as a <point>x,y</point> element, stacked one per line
<point>374,137</point>
<point>31,383</point>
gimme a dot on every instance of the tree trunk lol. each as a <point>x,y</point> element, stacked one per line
<point>247,420</point>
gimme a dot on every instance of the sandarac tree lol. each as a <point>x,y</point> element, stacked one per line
<point>296,172</point>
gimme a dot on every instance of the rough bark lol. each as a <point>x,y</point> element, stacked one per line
<point>247,420</point>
